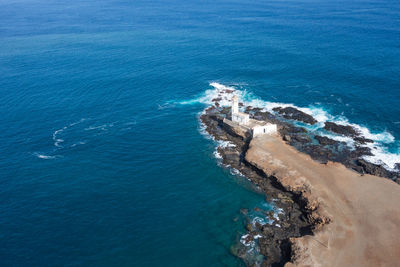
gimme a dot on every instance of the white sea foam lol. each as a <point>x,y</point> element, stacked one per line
<point>384,158</point>
<point>78,143</point>
<point>43,156</point>
<point>56,139</point>
<point>246,242</point>
<point>381,156</point>
<point>259,220</point>
<point>345,139</point>
<point>102,127</point>
<point>277,212</point>
<point>225,144</point>
<point>217,155</point>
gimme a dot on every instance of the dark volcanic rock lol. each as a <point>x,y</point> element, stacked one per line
<point>259,114</point>
<point>301,138</point>
<point>362,140</point>
<point>373,168</point>
<point>361,151</point>
<point>325,140</point>
<point>295,114</point>
<point>340,129</point>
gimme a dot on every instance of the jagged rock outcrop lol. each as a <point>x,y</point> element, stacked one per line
<point>292,113</point>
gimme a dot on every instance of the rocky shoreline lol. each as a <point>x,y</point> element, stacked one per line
<point>300,216</point>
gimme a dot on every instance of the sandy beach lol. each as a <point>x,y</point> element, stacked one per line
<point>358,215</point>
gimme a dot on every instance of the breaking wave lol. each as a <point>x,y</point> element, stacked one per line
<point>379,148</point>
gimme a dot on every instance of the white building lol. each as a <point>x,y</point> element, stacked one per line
<point>267,128</point>
<point>254,126</point>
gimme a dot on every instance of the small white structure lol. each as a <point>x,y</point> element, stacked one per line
<point>243,121</point>
<point>267,128</point>
<point>237,116</point>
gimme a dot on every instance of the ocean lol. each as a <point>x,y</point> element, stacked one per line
<point>103,159</point>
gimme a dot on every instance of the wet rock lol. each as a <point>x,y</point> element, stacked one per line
<point>249,227</point>
<point>363,140</point>
<point>361,151</point>
<point>346,130</point>
<point>216,99</point>
<point>292,113</point>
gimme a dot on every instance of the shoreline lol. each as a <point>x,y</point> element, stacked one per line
<point>308,217</point>
<point>273,239</point>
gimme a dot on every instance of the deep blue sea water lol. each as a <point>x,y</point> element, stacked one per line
<point>102,160</point>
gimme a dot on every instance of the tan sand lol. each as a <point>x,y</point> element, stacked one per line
<point>364,210</point>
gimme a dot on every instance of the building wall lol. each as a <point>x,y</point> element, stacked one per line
<point>265,129</point>
<point>240,118</point>
<point>236,129</point>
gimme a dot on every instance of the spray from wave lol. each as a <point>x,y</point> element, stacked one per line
<point>381,140</point>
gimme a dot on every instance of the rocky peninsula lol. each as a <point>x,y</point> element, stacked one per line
<point>337,210</point>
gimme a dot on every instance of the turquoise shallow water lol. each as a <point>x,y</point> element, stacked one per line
<point>102,161</point>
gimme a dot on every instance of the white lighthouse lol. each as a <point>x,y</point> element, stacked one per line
<point>237,116</point>
<point>235,105</point>
<point>242,124</point>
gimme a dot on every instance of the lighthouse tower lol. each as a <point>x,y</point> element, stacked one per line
<point>235,105</point>
<point>237,116</point>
